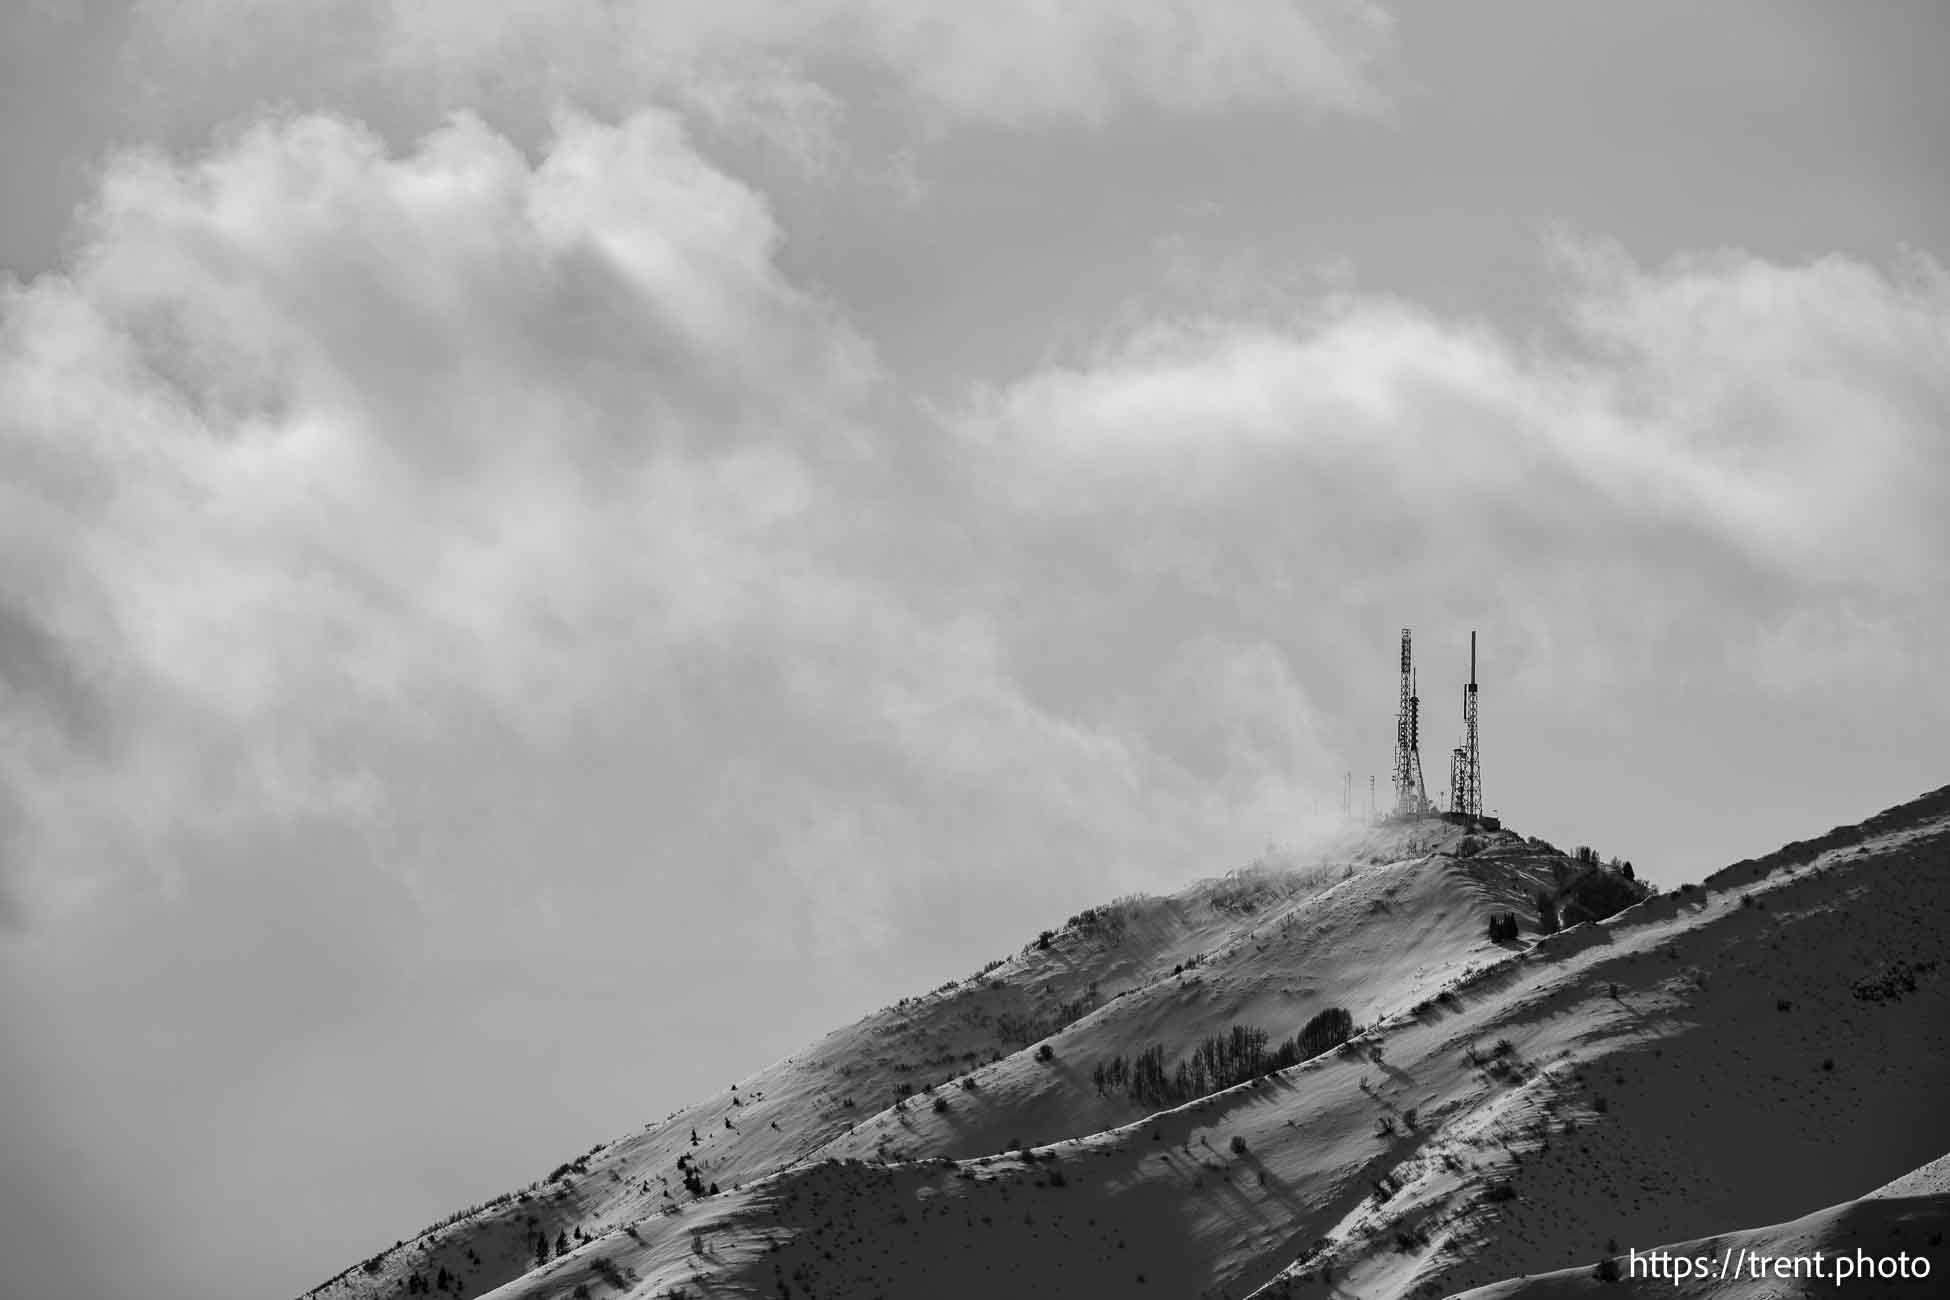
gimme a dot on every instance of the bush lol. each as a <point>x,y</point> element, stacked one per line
<point>1238,1145</point>
<point>1046,1053</point>
<point>941,1105</point>
<point>1607,1270</point>
<point>1042,940</point>
<point>1503,927</point>
<point>1547,922</point>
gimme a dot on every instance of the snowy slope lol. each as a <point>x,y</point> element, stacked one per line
<point>1636,1081</point>
<point>1908,1217</point>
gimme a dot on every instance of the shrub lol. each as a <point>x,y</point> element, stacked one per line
<point>1607,1270</point>
<point>1547,922</point>
<point>1238,1145</point>
<point>1503,927</point>
<point>1893,983</point>
<point>940,1105</point>
<point>1042,940</point>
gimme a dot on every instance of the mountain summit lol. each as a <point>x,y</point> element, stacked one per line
<point>1340,1077</point>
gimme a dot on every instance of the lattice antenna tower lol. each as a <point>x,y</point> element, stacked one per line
<point>1415,745</point>
<point>1469,788</point>
<point>1409,796</point>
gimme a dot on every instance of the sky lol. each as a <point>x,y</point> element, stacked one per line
<point>550,553</point>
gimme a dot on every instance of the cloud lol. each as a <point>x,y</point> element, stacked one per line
<point>1721,443</point>
<point>351,483</point>
<point>313,440</point>
<point>768,66</point>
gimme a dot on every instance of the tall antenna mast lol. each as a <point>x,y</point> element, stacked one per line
<point>1415,743</point>
<point>1409,796</point>
<point>1470,789</point>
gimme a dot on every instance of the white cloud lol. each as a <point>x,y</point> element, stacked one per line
<point>764,65</point>
<point>313,440</point>
<point>334,465</point>
<point>1722,441</point>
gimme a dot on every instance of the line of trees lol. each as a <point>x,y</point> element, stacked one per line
<point>1219,1061</point>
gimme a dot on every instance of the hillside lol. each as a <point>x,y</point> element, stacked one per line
<point>1746,1053</point>
<point>1906,1216</point>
